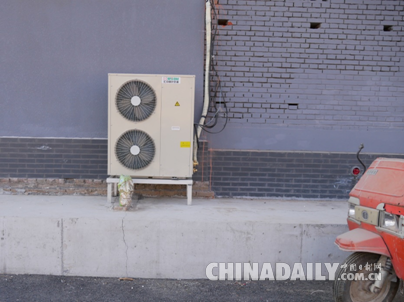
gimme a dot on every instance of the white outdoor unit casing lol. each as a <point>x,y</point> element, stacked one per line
<point>169,125</point>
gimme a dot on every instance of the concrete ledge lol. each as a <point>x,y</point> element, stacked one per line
<point>163,238</point>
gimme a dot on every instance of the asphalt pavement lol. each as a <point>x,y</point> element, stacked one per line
<point>40,288</point>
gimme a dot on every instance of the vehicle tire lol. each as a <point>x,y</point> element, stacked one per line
<point>359,290</point>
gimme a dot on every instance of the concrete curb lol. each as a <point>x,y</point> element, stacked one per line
<point>163,238</point>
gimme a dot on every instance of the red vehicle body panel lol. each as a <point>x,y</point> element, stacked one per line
<point>386,185</point>
<point>396,248</point>
<point>382,183</point>
<point>360,240</point>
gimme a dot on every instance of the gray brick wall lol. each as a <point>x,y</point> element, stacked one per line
<point>346,74</point>
<point>344,78</point>
<point>228,173</point>
<point>66,158</point>
<point>53,158</point>
<point>264,174</point>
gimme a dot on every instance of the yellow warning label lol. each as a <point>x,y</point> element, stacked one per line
<point>185,144</point>
<point>177,104</point>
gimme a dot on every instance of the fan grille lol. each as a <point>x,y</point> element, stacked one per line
<point>143,145</point>
<point>144,105</point>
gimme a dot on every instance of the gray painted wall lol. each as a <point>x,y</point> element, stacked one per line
<point>292,87</point>
<point>55,57</point>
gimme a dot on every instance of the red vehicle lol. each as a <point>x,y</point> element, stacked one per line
<point>374,271</point>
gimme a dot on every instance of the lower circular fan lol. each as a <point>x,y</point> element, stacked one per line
<point>139,141</point>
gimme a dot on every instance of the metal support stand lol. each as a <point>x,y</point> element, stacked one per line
<point>112,185</point>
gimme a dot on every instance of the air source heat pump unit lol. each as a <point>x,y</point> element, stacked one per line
<point>150,125</point>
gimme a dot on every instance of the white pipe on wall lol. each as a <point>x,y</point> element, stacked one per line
<point>207,69</point>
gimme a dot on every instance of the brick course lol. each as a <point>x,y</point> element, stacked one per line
<point>93,187</point>
<point>265,174</point>
<point>51,166</point>
<point>53,158</point>
<point>61,158</point>
<point>221,173</point>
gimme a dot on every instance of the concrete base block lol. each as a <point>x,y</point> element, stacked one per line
<point>31,244</point>
<point>80,236</point>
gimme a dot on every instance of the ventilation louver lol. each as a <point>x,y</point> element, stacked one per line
<point>136,100</point>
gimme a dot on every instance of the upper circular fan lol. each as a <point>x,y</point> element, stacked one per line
<point>136,100</point>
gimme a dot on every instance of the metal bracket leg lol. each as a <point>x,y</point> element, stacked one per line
<point>189,195</point>
<point>109,192</point>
